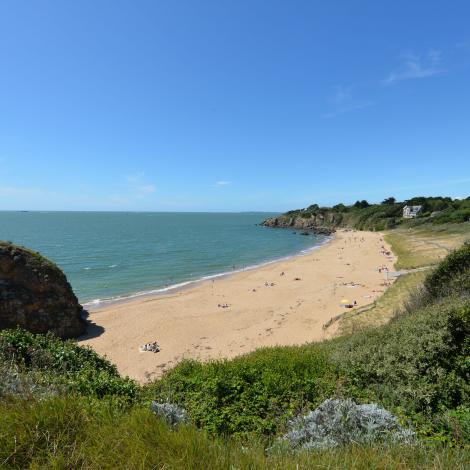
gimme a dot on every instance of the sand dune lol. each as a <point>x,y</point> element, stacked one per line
<point>265,308</point>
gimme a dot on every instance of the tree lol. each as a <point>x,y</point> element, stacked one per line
<point>312,208</point>
<point>361,204</point>
<point>339,208</point>
<point>389,201</point>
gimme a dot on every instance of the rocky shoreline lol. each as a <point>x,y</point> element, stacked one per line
<point>311,224</point>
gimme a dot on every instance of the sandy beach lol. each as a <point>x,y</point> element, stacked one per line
<point>283,303</point>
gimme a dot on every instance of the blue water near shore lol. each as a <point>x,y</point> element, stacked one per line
<point>109,255</point>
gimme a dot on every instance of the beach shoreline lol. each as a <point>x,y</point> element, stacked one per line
<point>98,304</point>
<point>284,302</point>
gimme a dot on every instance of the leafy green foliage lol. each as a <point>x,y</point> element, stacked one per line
<point>389,200</point>
<point>452,276</point>
<point>254,393</point>
<point>417,362</point>
<point>79,369</point>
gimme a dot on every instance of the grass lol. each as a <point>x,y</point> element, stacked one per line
<point>384,308</point>
<point>75,433</point>
<point>426,245</point>
<point>415,247</point>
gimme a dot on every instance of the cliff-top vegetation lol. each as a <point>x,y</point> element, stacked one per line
<point>387,215</point>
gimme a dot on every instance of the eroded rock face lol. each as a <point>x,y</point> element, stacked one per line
<point>35,295</point>
<point>316,224</point>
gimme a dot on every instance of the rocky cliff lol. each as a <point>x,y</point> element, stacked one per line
<point>319,223</point>
<point>35,294</point>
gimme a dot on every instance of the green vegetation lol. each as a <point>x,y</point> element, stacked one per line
<point>425,245</point>
<point>36,258</point>
<point>419,248</point>
<point>62,364</point>
<point>255,393</point>
<point>452,276</point>
<point>71,432</point>
<point>388,214</point>
<point>416,366</point>
<point>385,307</point>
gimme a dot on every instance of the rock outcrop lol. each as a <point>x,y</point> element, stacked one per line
<point>317,224</point>
<point>35,294</point>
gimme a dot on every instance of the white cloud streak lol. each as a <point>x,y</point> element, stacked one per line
<point>415,66</point>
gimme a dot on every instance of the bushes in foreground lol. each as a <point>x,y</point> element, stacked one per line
<point>256,393</point>
<point>418,362</point>
<point>452,276</point>
<point>338,423</point>
<point>75,432</point>
<point>46,359</point>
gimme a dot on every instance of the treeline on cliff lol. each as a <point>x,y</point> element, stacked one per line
<point>365,216</point>
<point>63,406</point>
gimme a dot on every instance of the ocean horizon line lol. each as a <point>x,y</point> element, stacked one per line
<point>108,211</point>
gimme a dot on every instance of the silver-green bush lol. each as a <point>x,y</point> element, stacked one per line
<point>171,413</point>
<point>337,423</point>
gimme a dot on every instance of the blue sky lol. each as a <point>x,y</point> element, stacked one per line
<point>231,105</point>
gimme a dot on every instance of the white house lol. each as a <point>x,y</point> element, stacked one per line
<point>409,212</point>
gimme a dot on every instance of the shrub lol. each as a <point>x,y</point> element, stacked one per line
<point>171,414</point>
<point>340,422</point>
<point>64,364</point>
<point>418,362</point>
<point>17,384</point>
<point>255,393</point>
<point>452,276</point>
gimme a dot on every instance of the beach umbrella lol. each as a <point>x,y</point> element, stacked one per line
<point>345,301</point>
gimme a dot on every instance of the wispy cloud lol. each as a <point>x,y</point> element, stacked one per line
<point>416,66</point>
<point>343,101</point>
<point>222,183</point>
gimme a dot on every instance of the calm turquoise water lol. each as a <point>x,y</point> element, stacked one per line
<point>108,254</point>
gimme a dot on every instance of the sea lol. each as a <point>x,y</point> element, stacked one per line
<point>110,256</point>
